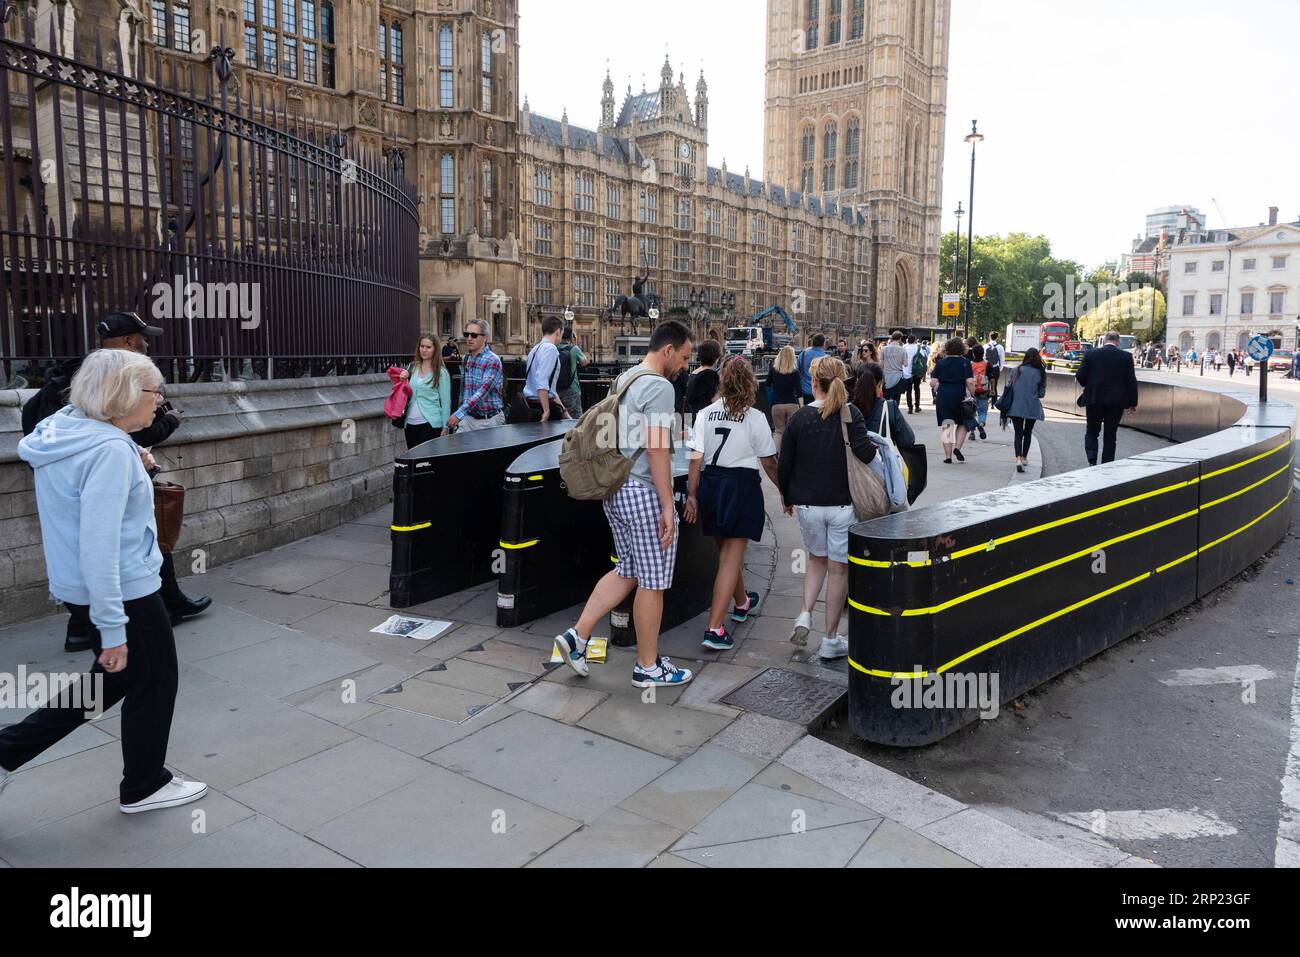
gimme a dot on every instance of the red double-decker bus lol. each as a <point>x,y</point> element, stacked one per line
<point>1052,337</point>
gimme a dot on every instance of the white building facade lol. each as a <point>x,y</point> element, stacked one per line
<point>1227,285</point>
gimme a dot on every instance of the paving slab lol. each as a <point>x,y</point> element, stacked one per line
<point>758,811</point>
<point>285,665</point>
<point>268,571</point>
<point>614,678</point>
<point>893,795</point>
<point>306,794</point>
<point>221,630</point>
<point>756,653</point>
<point>892,845</point>
<point>759,735</point>
<point>502,654</point>
<point>444,820</point>
<point>420,734</point>
<point>360,584</point>
<point>363,534</point>
<point>86,737</point>
<point>673,732</point>
<point>102,836</point>
<point>823,847</point>
<point>346,700</point>
<point>347,549</point>
<point>253,842</point>
<point>672,860</point>
<point>471,676</point>
<point>713,683</point>
<point>777,775</point>
<point>617,838</point>
<point>569,770</point>
<point>695,787</point>
<point>989,842</point>
<point>567,703</point>
<point>267,605</point>
<point>444,702</point>
<point>60,789</point>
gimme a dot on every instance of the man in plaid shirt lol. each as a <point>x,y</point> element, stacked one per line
<point>482,384</point>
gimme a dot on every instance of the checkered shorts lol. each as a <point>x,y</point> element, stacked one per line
<point>633,514</point>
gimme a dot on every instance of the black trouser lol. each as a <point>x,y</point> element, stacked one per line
<point>148,684</point>
<point>419,434</point>
<point>994,375</point>
<point>1100,416</point>
<point>914,393</point>
<point>79,625</point>
<point>1024,429</point>
<point>535,410</point>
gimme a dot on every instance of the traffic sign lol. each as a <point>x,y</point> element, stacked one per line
<point>1260,348</point>
<point>951,304</point>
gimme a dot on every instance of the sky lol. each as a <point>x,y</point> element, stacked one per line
<point>1094,113</point>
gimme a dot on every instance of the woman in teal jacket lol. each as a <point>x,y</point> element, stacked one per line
<point>430,404</point>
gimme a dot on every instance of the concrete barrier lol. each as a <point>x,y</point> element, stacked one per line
<point>1024,583</point>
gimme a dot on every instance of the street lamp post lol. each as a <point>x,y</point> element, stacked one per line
<point>973,138</point>
<point>956,257</point>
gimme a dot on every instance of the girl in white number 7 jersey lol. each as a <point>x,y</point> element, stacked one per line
<point>730,440</point>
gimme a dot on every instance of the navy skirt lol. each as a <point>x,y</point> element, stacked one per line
<point>731,503</point>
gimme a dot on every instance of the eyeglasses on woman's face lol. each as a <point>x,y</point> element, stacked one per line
<point>158,392</point>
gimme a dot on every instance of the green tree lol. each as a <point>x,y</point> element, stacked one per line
<point>1141,313</point>
<point>1015,268</point>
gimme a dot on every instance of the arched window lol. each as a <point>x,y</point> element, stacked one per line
<point>447,193</point>
<point>852,151</point>
<point>1212,342</point>
<point>830,150</point>
<point>446,64</point>
<point>807,149</point>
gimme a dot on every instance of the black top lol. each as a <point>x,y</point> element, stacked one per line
<point>812,469</point>
<point>701,389</point>
<point>1108,379</point>
<point>54,395</point>
<point>785,387</point>
<point>899,429</point>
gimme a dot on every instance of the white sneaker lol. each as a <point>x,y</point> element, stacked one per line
<point>175,792</point>
<point>802,625</point>
<point>837,647</point>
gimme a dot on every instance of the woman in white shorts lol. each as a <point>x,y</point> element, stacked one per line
<point>812,472</point>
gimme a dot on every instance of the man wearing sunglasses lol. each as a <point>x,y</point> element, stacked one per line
<point>482,388</point>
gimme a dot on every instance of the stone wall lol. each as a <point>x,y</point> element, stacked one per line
<point>263,464</point>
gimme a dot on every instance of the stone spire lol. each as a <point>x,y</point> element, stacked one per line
<point>666,92</point>
<point>607,103</point>
<point>701,102</point>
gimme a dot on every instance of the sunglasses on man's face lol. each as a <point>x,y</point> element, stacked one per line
<point>473,335</point>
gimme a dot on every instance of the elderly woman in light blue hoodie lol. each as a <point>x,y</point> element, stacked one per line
<point>97,525</point>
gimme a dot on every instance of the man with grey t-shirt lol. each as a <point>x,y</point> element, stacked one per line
<point>642,516</point>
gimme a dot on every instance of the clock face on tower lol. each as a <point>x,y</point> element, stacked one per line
<point>686,151</point>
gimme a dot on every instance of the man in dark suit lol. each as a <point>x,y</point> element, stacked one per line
<point>1109,387</point>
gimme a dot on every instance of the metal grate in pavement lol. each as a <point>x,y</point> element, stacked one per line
<point>788,695</point>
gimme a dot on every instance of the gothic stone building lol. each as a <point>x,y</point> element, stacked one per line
<point>523,215</point>
<point>856,99</point>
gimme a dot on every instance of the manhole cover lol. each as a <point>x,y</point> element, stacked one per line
<point>787,695</point>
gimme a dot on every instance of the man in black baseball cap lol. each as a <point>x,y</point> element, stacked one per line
<point>118,330</point>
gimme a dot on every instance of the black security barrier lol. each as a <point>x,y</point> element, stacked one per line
<point>984,598</point>
<point>447,508</point>
<point>555,547</point>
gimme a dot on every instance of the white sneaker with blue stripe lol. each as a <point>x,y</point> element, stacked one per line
<point>573,650</point>
<point>664,674</point>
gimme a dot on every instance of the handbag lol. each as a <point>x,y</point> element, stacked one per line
<point>870,500</point>
<point>520,410</point>
<point>168,512</point>
<point>889,465</point>
<point>1008,395</point>
<point>967,409</point>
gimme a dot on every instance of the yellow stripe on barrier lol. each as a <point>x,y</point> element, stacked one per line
<point>534,478</point>
<point>514,547</point>
<point>1219,501</point>
<point>1003,638</point>
<point>1048,526</point>
<point>614,559</point>
<point>411,528</point>
<point>1063,611</point>
<point>1029,573</point>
